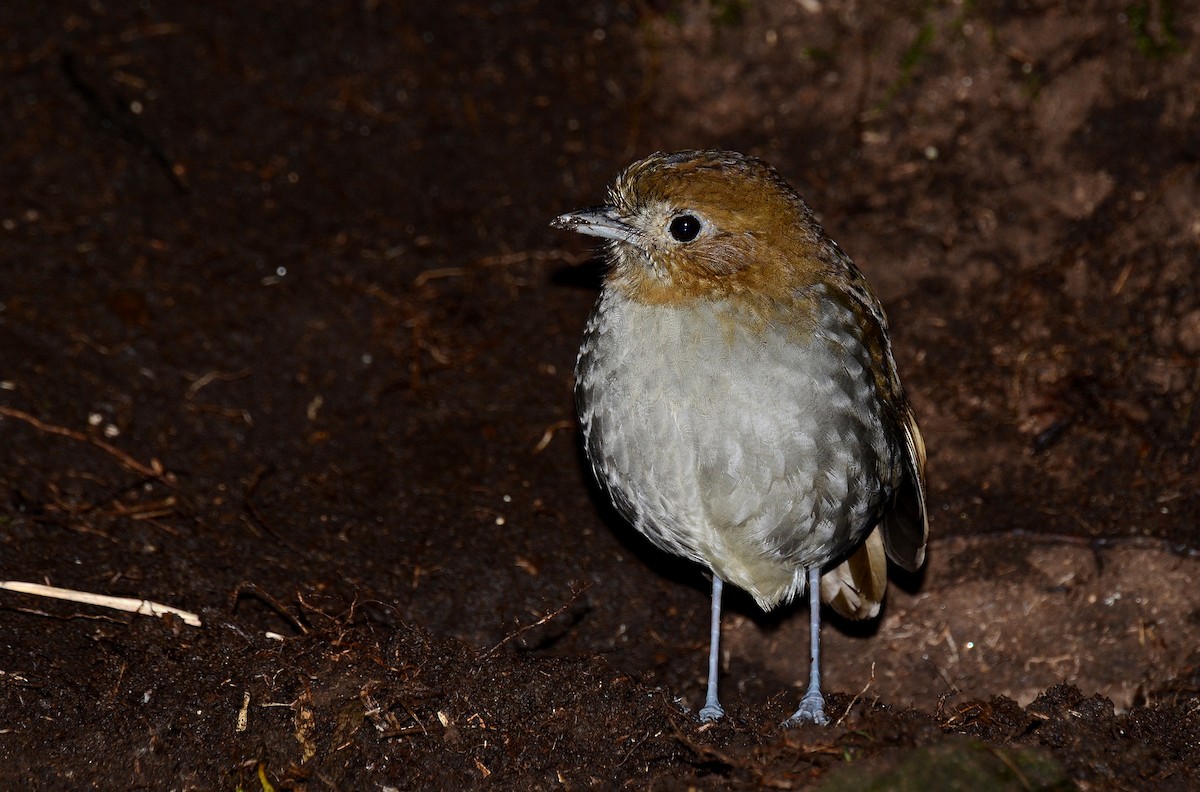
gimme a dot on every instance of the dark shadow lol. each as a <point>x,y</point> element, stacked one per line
<point>588,275</point>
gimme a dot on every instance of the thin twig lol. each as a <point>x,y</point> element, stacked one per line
<point>523,256</point>
<point>129,604</point>
<point>437,274</point>
<point>253,517</point>
<point>213,376</point>
<point>545,618</point>
<point>857,696</point>
<point>548,435</point>
<point>274,604</point>
<point>154,470</point>
<point>121,119</point>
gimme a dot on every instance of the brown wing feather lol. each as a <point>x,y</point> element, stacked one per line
<point>855,587</point>
<point>906,528</point>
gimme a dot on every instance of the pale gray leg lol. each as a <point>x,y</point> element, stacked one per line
<point>712,708</point>
<point>812,706</point>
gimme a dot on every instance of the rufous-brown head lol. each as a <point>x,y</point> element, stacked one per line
<point>697,225</point>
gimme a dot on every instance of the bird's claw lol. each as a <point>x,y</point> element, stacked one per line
<point>811,710</point>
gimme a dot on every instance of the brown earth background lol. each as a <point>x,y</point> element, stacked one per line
<point>286,341</point>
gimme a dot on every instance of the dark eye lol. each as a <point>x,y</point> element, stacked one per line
<point>684,228</point>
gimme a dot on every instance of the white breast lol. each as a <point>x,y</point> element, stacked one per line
<point>737,449</point>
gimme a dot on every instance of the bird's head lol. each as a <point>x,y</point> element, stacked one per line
<point>707,225</point>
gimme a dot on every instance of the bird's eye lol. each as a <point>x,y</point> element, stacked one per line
<point>684,228</point>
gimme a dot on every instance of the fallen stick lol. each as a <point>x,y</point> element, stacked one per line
<point>154,470</point>
<point>129,604</point>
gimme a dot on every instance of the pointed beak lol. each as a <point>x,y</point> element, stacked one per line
<point>599,221</point>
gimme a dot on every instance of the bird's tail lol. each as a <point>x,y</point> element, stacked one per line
<point>855,587</point>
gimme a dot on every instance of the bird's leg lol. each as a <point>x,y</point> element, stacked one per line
<point>812,706</point>
<point>712,708</point>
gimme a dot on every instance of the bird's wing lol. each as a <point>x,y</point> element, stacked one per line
<point>905,527</point>
<point>855,587</point>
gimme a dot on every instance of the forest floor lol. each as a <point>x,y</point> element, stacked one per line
<point>286,341</point>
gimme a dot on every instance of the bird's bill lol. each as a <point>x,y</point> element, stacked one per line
<point>599,221</point>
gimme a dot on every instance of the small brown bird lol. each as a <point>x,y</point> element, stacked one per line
<point>738,397</point>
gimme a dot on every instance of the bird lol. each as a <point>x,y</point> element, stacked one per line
<point>737,396</point>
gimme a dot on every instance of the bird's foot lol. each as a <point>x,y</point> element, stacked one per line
<point>812,710</point>
<point>711,711</point>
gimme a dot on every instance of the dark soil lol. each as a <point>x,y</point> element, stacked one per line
<point>286,341</point>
